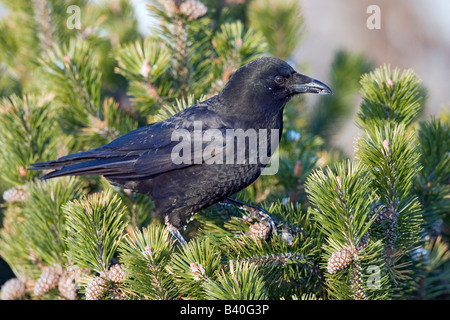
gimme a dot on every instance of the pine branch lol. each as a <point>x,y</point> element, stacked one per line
<point>288,267</point>
<point>145,255</point>
<point>342,198</point>
<point>285,32</point>
<point>14,247</point>
<point>22,25</point>
<point>390,97</point>
<point>94,229</point>
<point>193,265</point>
<point>110,123</point>
<point>116,17</point>
<point>355,229</point>
<point>45,222</point>
<point>70,72</point>
<point>43,19</point>
<point>139,206</point>
<point>145,65</point>
<point>391,155</point>
<point>435,281</point>
<point>392,158</point>
<point>25,137</point>
<point>391,102</point>
<point>431,184</point>
<point>184,28</point>
<point>241,281</point>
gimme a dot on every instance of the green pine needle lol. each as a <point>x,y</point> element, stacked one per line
<point>390,96</point>
<point>241,281</point>
<point>25,136</point>
<point>342,199</point>
<point>236,41</point>
<point>95,229</point>
<point>193,265</point>
<point>145,254</point>
<point>391,156</point>
<point>45,222</point>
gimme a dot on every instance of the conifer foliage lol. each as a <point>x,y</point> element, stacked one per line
<point>371,228</point>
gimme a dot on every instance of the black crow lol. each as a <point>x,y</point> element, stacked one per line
<point>189,162</point>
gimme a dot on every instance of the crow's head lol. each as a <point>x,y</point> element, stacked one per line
<point>270,81</point>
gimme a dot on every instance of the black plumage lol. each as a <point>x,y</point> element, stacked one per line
<point>142,160</point>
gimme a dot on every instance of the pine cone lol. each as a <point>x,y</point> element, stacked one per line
<point>192,9</point>
<point>169,6</point>
<point>383,214</point>
<point>67,286</point>
<point>48,280</point>
<point>118,295</point>
<point>13,289</point>
<point>259,230</point>
<point>357,283</point>
<point>15,194</point>
<point>116,274</point>
<point>96,289</point>
<point>363,242</point>
<point>339,260</point>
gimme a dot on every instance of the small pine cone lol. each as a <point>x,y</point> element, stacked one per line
<point>67,286</point>
<point>363,243</point>
<point>339,260</point>
<point>259,230</point>
<point>48,280</point>
<point>169,6</point>
<point>357,283</point>
<point>118,295</point>
<point>383,214</point>
<point>15,194</point>
<point>116,274</point>
<point>77,273</point>
<point>193,9</point>
<point>13,289</point>
<point>96,289</point>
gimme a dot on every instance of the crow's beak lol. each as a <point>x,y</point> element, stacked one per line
<point>300,83</point>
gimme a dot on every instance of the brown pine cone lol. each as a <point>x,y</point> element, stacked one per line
<point>116,274</point>
<point>382,214</point>
<point>48,280</point>
<point>13,289</point>
<point>67,286</point>
<point>339,260</point>
<point>15,194</point>
<point>193,9</point>
<point>96,289</point>
<point>259,230</point>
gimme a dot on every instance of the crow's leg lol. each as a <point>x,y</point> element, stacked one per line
<point>175,232</point>
<point>254,212</point>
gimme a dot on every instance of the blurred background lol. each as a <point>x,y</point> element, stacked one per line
<point>413,34</point>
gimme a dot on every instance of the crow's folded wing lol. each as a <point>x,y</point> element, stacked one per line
<point>144,152</point>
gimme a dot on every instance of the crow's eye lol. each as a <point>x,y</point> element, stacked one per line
<point>279,79</point>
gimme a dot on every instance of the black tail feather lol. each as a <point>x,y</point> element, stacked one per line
<point>86,166</point>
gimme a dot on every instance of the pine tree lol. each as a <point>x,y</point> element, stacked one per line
<point>371,228</point>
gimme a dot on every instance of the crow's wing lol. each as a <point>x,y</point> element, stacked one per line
<point>144,152</point>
